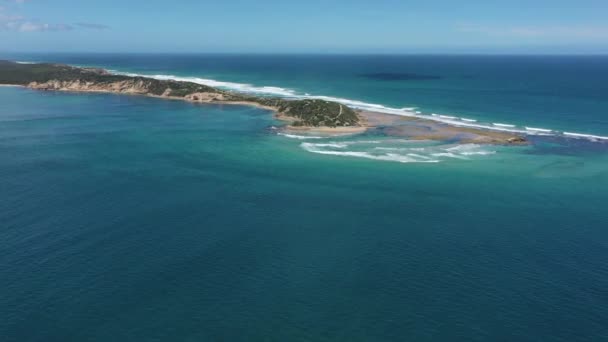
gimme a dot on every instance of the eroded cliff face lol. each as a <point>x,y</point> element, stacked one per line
<point>305,112</point>
<point>301,113</point>
<point>205,97</point>
<point>57,77</point>
<point>127,87</point>
<point>139,87</point>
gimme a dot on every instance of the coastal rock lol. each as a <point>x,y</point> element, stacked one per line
<point>301,112</point>
<point>205,97</point>
<point>517,140</point>
<point>128,87</point>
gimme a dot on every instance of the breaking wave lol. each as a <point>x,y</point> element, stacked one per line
<point>299,137</point>
<point>407,111</point>
<point>401,154</point>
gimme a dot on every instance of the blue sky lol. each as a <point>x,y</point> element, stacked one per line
<point>315,26</point>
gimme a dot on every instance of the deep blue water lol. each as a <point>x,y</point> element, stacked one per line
<point>567,93</point>
<point>138,219</point>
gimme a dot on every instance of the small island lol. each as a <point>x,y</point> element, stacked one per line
<point>301,114</point>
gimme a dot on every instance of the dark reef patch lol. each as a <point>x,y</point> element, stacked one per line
<point>555,145</point>
<point>389,76</point>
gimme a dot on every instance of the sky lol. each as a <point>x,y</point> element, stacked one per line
<point>312,26</point>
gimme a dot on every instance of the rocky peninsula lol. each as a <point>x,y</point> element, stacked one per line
<point>301,114</point>
<point>59,77</point>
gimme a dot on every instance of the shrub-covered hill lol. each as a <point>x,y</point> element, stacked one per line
<point>307,112</point>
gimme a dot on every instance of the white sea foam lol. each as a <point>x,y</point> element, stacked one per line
<point>478,153</point>
<point>503,125</point>
<point>407,111</point>
<point>473,124</point>
<point>447,154</point>
<point>403,154</point>
<point>401,149</point>
<point>365,142</point>
<point>543,130</point>
<point>332,144</point>
<point>390,148</point>
<point>315,148</point>
<point>25,62</point>
<point>585,136</point>
<point>464,147</point>
<point>300,137</point>
<point>418,156</point>
<point>469,150</point>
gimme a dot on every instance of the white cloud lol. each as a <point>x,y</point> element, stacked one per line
<point>4,18</point>
<point>18,23</point>
<point>30,26</point>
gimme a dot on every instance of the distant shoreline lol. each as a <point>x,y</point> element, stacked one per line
<point>423,130</point>
<point>303,115</point>
<point>276,113</point>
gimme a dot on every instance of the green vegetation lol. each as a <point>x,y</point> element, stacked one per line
<point>24,74</point>
<point>319,113</point>
<point>310,112</point>
<point>307,112</point>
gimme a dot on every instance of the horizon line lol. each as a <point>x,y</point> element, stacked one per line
<point>261,53</point>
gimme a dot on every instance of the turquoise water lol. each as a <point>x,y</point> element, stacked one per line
<point>566,93</point>
<point>128,218</point>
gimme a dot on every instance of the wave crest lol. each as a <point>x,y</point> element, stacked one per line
<point>401,153</point>
<point>365,106</point>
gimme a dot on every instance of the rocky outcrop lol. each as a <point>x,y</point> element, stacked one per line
<point>205,97</point>
<point>139,87</point>
<point>44,76</point>
<point>126,87</point>
<point>305,113</point>
<point>517,140</point>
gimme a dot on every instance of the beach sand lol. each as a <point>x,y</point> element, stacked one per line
<point>416,128</point>
<point>413,128</point>
<point>409,127</point>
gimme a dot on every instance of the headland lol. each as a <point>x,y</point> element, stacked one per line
<point>312,115</point>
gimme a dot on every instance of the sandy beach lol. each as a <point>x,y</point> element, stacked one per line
<point>416,128</point>
<point>409,127</point>
<point>413,128</point>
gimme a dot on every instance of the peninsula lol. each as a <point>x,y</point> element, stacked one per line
<point>301,114</point>
<point>43,76</point>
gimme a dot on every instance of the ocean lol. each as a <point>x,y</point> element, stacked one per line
<point>130,218</point>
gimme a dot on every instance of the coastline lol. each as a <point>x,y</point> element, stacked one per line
<point>312,116</point>
<point>301,112</point>
<point>417,128</point>
<point>413,128</point>
<point>277,114</point>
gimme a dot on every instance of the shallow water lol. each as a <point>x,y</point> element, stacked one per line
<point>129,218</point>
<point>565,93</point>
